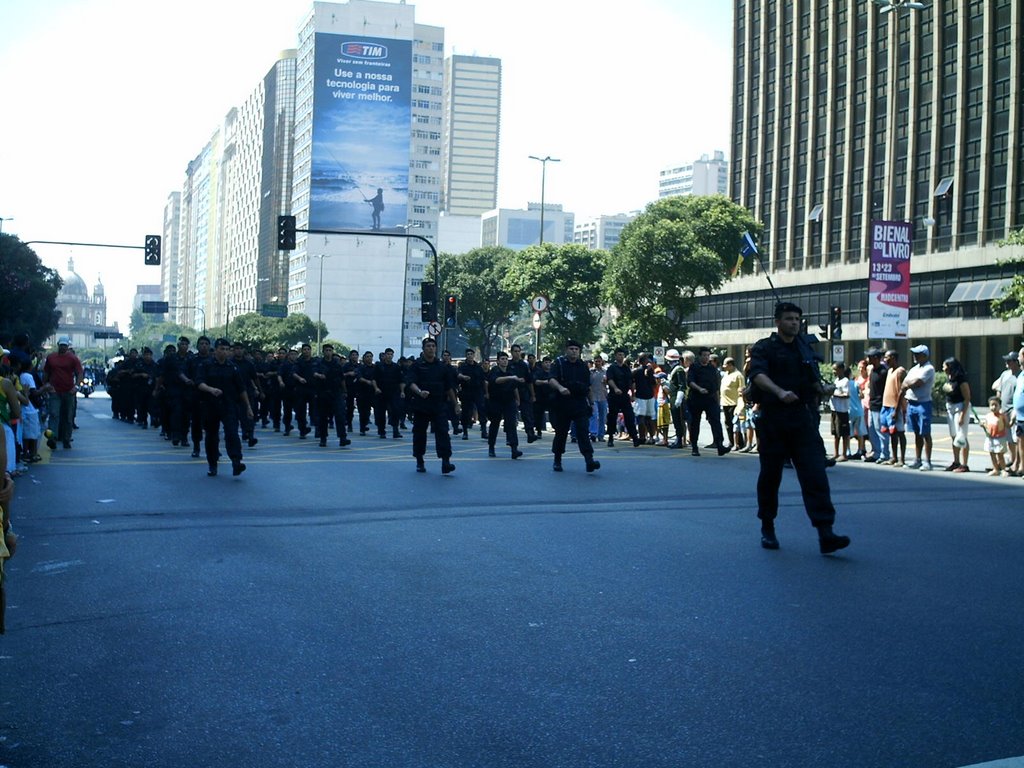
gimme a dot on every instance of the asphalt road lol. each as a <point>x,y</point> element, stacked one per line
<point>335,608</point>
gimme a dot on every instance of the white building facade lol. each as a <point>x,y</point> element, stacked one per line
<point>706,176</point>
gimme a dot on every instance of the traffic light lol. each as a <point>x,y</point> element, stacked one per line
<point>286,233</point>
<point>451,311</point>
<point>428,302</point>
<point>835,323</point>
<point>152,249</point>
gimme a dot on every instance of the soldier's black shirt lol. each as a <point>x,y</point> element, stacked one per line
<point>225,377</point>
<point>247,368</point>
<point>643,383</point>
<point>790,367</point>
<point>437,378</point>
<point>305,369</point>
<point>195,362</point>
<point>622,378</point>
<point>334,376</point>
<point>706,376</point>
<point>476,378</point>
<point>576,378</point>
<point>388,377</point>
<point>504,393</point>
<point>521,368</point>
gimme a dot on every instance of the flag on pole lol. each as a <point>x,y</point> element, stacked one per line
<point>749,247</point>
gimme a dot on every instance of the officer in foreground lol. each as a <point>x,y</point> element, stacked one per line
<point>787,384</point>
<point>228,398</point>
<point>570,378</point>
<point>431,384</point>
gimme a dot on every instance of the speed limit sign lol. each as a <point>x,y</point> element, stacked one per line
<point>434,329</point>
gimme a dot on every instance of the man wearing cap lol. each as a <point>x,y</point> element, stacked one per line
<point>876,388</point>
<point>677,394</point>
<point>61,373</point>
<point>1005,387</point>
<point>570,378</point>
<point>917,388</point>
<point>784,369</point>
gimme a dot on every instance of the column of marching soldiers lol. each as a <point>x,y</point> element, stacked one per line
<point>291,389</point>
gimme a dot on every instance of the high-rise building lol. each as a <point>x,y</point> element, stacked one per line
<point>517,229</point>
<point>706,176</point>
<point>472,100</point>
<point>171,281</point>
<point>602,232</point>
<point>197,243</point>
<point>368,130</point>
<point>256,162</point>
<point>846,113</point>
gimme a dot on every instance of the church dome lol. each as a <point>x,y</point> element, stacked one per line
<point>74,285</point>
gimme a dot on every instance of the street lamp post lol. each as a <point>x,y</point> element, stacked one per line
<point>2,220</point>
<point>320,299</point>
<point>543,180</point>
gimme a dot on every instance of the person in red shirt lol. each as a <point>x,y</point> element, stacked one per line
<point>61,373</point>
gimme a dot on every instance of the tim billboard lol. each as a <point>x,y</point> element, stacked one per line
<point>362,114</point>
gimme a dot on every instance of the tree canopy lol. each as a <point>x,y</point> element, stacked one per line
<point>1011,304</point>
<point>678,248</point>
<point>29,291</point>
<point>570,276</point>
<point>484,301</point>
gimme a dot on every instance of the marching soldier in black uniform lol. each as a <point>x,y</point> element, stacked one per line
<point>302,397</point>
<point>194,398</point>
<point>388,384</point>
<point>143,377</point>
<point>247,369</point>
<point>570,378</point>
<point>788,384</point>
<point>351,372</point>
<point>221,382</point>
<point>430,385</point>
<point>526,392</point>
<point>471,393</point>
<point>503,405</point>
<point>620,380</point>
<point>329,378</point>
<point>544,394</point>
<point>365,391</point>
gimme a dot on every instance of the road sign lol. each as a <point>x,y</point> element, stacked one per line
<point>107,335</point>
<point>837,353</point>
<point>538,323</point>
<point>539,303</point>
<point>154,307</point>
<point>274,310</point>
<point>434,329</point>
<point>659,352</point>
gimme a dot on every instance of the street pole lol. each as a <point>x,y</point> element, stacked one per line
<point>543,182</point>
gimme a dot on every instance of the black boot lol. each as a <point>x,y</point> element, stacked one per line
<point>420,466</point>
<point>447,467</point>
<point>592,464</point>
<point>557,466</point>
<point>829,542</point>
<point>768,540</point>
<point>516,453</point>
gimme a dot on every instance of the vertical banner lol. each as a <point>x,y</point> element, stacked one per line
<point>362,117</point>
<point>889,282</point>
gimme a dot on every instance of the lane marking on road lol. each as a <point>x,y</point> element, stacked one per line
<point>1009,762</point>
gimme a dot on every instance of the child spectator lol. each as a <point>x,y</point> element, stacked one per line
<point>996,431</point>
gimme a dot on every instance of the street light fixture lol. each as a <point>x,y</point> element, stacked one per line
<point>2,220</point>
<point>543,180</point>
<point>320,298</point>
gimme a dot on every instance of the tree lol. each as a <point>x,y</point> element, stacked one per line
<point>274,332</point>
<point>485,303</point>
<point>570,276</point>
<point>676,249</point>
<point>1011,304</point>
<point>29,292</point>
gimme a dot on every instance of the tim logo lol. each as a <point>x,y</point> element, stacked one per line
<point>359,50</point>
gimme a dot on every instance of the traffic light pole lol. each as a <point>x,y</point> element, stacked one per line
<point>403,235</point>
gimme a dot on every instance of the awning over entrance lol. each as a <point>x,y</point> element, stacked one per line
<point>979,290</point>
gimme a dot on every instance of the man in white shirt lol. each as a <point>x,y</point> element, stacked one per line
<point>917,388</point>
